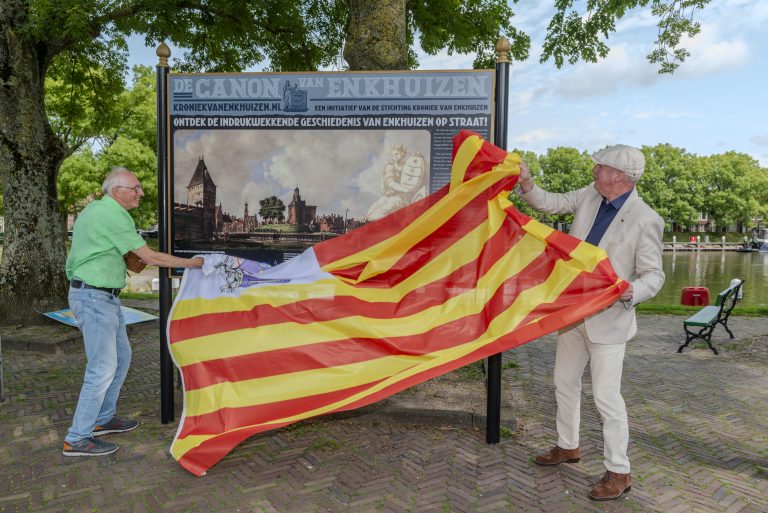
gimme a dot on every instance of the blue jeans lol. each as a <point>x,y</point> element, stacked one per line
<point>108,352</point>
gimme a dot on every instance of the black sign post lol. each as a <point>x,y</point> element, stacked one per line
<point>493,408</point>
<point>429,106</point>
<point>166,364</point>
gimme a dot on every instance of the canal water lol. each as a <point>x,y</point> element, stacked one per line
<point>711,269</point>
<point>714,270</point>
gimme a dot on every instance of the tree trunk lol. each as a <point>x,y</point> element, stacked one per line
<point>32,265</point>
<point>376,35</point>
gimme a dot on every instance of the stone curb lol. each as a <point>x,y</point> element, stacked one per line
<point>434,417</point>
<point>389,412</point>
<point>56,343</point>
<point>20,342</point>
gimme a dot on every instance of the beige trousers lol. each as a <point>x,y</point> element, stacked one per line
<point>574,351</point>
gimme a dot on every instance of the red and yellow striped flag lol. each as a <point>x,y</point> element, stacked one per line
<point>446,281</point>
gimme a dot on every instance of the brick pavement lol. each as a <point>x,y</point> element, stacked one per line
<point>698,443</point>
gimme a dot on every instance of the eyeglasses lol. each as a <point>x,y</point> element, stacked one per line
<point>135,188</point>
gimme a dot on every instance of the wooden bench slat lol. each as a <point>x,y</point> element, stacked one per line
<point>724,295</point>
<point>703,317</point>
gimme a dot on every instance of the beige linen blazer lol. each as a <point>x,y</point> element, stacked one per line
<point>633,244</point>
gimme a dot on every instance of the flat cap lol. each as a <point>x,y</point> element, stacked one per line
<point>626,159</point>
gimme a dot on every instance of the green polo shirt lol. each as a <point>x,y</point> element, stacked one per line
<point>103,233</point>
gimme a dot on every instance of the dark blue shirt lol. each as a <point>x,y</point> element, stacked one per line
<point>605,214</point>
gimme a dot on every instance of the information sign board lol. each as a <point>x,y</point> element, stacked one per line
<point>263,165</point>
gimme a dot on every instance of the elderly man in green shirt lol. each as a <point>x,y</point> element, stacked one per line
<point>103,234</point>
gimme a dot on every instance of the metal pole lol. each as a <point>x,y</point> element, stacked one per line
<point>166,364</point>
<point>493,408</point>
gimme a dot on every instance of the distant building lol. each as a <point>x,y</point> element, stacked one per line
<point>201,191</point>
<point>331,223</point>
<point>198,218</point>
<point>298,210</point>
<point>250,222</point>
<point>231,224</point>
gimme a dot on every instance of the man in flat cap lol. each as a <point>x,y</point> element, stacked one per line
<point>609,214</point>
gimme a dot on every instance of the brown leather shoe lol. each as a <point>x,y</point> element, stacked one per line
<point>611,486</point>
<point>556,456</point>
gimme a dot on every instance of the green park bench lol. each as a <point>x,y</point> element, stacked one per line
<point>703,323</point>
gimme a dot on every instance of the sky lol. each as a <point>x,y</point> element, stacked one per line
<point>715,102</point>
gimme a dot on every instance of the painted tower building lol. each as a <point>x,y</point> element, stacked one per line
<point>298,210</point>
<point>197,219</point>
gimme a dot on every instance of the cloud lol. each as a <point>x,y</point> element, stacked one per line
<point>535,136</point>
<point>659,114</point>
<point>521,100</point>
<point>711,54</point>
<point>735,15</point>
<point>534,17</point>
<point>760,140</point>
<point>714,50</point>
<point>624,66</point>
<point>642,19</point>
<point>442,60</point>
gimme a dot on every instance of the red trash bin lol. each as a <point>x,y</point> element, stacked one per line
<point>694,296</point>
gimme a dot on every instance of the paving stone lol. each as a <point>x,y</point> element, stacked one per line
<point>697,442</point>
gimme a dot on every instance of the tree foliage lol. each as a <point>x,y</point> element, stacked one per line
<point>81,99</point>
<point>565,169</point>
<point>77,49</point>
<point>142,160</point>
<point>672,184</point>
<point>138,111</point>
<point>532,160</point>
<point>573,35</point>
<point>464,27</point>
<point>734,187</point>
<point>79,181</point>
<point>272,209</point>
<point>729,188</point>
<point>127,138</point>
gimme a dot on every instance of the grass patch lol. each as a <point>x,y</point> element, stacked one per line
<point>472,371</point>
<point>746,311</point>
<point>153,430</point>
<point>138,295</point>
<point>326,444</point>
<point>304,427</point>
<point>647,308</point>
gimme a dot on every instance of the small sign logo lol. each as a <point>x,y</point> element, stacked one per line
<point>294,98</point>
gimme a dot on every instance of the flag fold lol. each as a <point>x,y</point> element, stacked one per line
<point>441,283</point>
